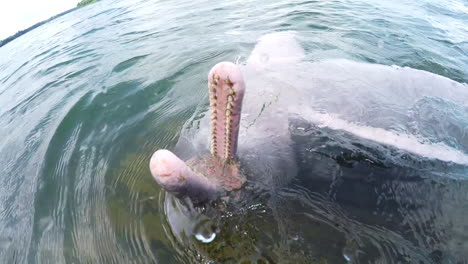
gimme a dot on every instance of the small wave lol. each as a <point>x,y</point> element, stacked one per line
<point>128,63</point>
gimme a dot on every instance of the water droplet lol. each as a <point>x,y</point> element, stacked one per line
<point>205,231</point>
<point>205,239</point>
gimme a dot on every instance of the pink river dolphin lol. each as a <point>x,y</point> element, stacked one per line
<point>364,100</point>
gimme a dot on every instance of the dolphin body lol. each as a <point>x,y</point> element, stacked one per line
<point>375,102</point>
<point>295,112</point>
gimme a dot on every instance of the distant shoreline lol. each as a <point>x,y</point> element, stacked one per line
<point>22,32</point>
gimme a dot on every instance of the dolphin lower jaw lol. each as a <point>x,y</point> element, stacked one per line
<point>176,177</point>
<point>226,89</point>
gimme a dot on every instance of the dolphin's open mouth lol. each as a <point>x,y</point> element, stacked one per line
<point>226,89</point>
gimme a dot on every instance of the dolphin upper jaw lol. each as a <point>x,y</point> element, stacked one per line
<point>226,89</point>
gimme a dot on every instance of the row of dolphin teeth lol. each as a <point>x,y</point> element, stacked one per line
<point>229,106</point>
<point>212,90</point>
<point>228,114</point>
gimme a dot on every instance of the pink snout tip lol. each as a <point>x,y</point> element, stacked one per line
<point>176,177</point>
<point>164,163</point>
<point>168,170</point>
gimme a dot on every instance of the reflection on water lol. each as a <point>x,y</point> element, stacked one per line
<point>85,100</point>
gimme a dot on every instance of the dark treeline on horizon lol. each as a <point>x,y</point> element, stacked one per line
<point>22,32</point>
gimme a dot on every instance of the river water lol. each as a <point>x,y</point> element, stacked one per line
<point>88,97</point>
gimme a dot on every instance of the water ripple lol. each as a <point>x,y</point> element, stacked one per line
<point>86,98</point>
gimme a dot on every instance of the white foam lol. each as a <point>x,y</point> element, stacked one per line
<point>407,142</point>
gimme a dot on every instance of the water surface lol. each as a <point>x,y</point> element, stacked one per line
<point>87,98</point>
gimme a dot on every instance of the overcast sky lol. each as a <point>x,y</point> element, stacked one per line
<point>17,15</point>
